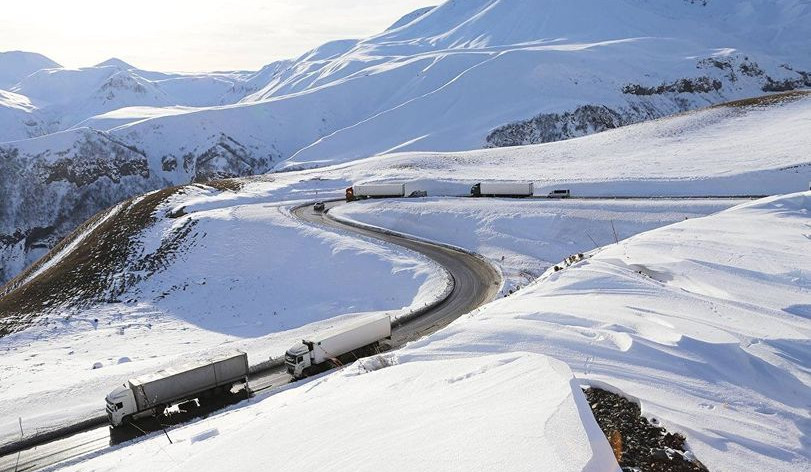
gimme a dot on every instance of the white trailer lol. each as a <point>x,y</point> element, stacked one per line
<point>502,189</point>
<point>151,394</point>
<point>361,191</point>
<point>357,339</point>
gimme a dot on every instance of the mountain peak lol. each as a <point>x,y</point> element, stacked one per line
<point>17,65</point>
<point>115,62</point>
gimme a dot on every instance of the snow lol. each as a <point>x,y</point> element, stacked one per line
<point>461,76</point>
<point>730,150</point>
<point>705,322</point>
<point>444,78</point>
<point>517,404</point>
<point>17,65</point>
<point>700,322</point>
<point>242,280</point>
<point>243,238</point>
<point>525,238</point>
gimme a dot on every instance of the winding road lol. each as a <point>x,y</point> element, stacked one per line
<point>476,282</point>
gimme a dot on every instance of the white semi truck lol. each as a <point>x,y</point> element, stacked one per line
<point>320,352</point>
<point>151,394</point>
<point>361,191</point>
<point>502,189</point>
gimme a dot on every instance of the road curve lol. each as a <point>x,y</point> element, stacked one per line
<point>476,282</point>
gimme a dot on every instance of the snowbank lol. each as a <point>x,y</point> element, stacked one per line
<point>501,412</point>
<point>704,321</point>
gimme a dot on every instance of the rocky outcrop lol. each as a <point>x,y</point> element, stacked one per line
<point>723,79</point>
<point>52,185</point>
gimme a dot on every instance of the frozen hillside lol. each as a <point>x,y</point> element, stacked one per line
<point>68,97</point>
<point>525,238</point>
<point>700,322</point>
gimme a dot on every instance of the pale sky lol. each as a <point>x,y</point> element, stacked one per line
<point>189,35</point>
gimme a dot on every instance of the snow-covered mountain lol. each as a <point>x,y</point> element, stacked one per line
<point>703,322</point>
<point>459,76</point>
<point>17,65</point>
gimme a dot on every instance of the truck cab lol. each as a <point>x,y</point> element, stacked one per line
<point>120,403</point>
<point>297,359</point>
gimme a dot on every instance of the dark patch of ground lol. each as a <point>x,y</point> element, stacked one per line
<point>639,445</point>
<point>223,185</point>
<point>766,100</point>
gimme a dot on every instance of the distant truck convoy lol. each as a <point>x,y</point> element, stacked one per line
<point>151,394</point>
<point>316,354</point>
<point>502,189</point>
<point>362,191</point>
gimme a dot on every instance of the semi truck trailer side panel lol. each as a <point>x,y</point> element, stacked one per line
<point>379,190</point>
<point>178,382</point>
<point>334,344</point>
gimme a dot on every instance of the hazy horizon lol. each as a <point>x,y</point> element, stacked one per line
<point>210,36</point>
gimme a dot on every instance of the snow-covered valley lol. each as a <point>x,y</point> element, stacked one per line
<point>674,273</point>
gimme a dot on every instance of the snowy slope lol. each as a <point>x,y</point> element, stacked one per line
<point>67,97</point>
<point>17,65</point>
<point>19,117</point>
<point>486,73</point>
<point>431,415</point>
<point>743,149</point>
<point>60,181</point>
<point>456,76</point>
<point>705,322</point>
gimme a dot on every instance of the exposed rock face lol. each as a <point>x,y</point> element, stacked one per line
<point>723,79</point>
<point>48,189</point>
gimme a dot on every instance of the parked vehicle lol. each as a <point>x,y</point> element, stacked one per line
<point>502,189</point>
<point>151,394</point>
<point>559,194</point>
<point>319,206</point>
<point>363,191</point>
<point>418,194</point>
<point>319,353</point>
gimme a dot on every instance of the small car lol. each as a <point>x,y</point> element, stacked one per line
<point>319,206</point>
